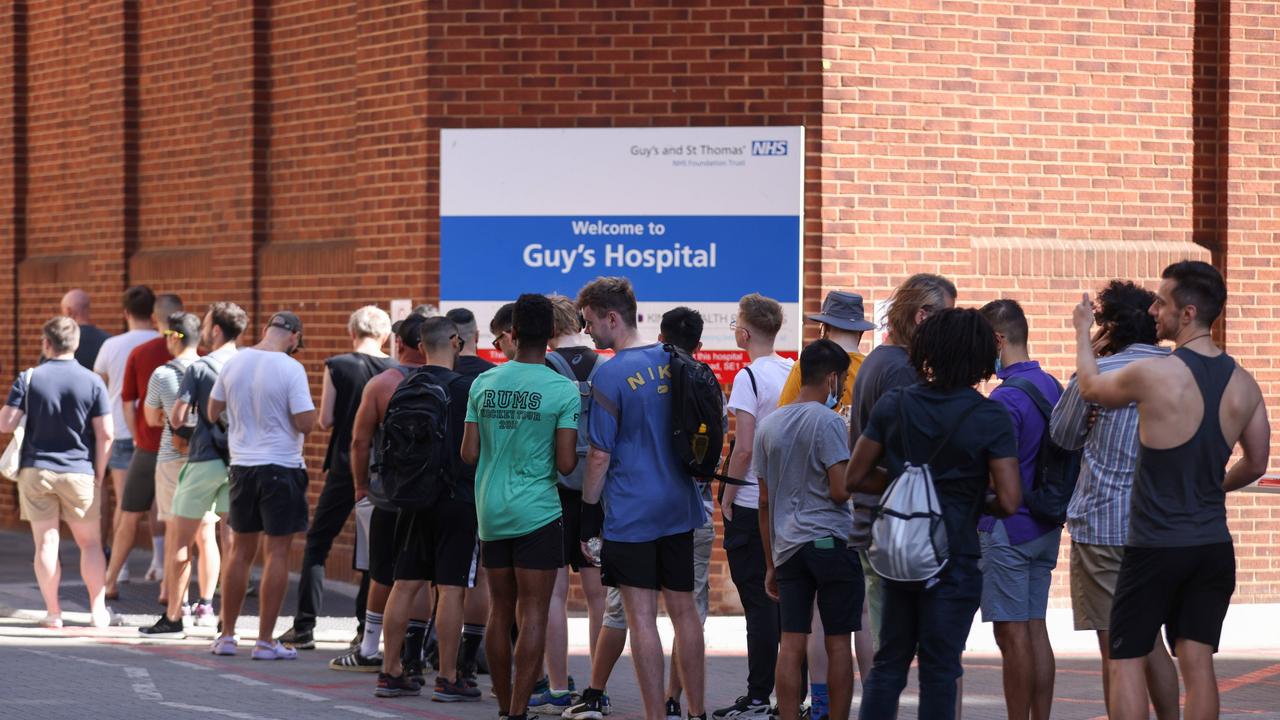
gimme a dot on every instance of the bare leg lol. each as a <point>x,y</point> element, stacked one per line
<point>688,628</point>
<point>1014,639</point>
<point>594,591</point>
<point>111,516</point>
<point>48,569</point>
<point>1104,648</point>
<point>170,547</point>
<point>235,579</point>
<point>533,597</point>
<point>864,646</point>
<point>791,654</point>
<point>1196,661</point>
<point>497,634</point>
<point>641,605</point>
<point>395,620</point>
<point>272,586</point>
<point>210,560</point>
<point>449,628</point>
<point>178,573</point>
<point>1162,682</point>
<point>839,676</point>
<point>1128,689</point>
<point>92,567</point>
<point>1045,669</point>
<point>609,646</point>
<point>816,650</point>
<point>557,655</point>
<point>122,545</point>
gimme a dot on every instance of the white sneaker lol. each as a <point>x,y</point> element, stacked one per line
<point>111,619</point>
<point>225,645</point>
<point>123,577</point>
<point>204,616</point>
<point>273,651</point>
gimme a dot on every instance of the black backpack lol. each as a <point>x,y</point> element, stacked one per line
<point>413,459</point>
<point>1057,468</point>
<point>697,415</point>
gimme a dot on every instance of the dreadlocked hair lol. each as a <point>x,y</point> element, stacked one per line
<point>954,348</point>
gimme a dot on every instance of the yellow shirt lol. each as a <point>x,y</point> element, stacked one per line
<point>791,388</point>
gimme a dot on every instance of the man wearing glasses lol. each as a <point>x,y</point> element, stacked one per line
<point>269,411</point>
<point>500,326</point>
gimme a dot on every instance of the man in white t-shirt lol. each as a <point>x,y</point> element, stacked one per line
<point>139,303</point>
<point>755,393</point>
<point>268,413</point>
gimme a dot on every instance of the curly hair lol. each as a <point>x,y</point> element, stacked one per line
<point>954,348</point>
<point>1124,309</point>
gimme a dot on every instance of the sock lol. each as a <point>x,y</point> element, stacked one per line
<point>206,601</point>
<point>157,553</point>
<point>819,701</point>
<point>415,637</point>
<point>372,634</point>
<point>472,639</point>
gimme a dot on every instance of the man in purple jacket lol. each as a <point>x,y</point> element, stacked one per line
<point>1019,552</point>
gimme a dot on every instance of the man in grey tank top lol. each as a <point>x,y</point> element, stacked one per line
<point>1194,406</point>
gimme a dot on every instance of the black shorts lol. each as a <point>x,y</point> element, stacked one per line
<point>663,563</point>
<point>542,549</point>
<point>268,498</point>
<point>438,544</point>
<point>139,482</point>
<point>1185,589</point>
<point>832,574</point>
<point>384,549</point>
<point>571,507</point>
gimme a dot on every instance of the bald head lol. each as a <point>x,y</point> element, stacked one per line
<point>75,305</point>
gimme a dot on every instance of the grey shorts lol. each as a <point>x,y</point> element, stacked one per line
<point>121,454</point>
<point>140,482</point>
<point>1015,578</point>
<point>703,539</point>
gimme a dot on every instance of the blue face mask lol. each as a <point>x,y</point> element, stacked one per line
<point>999,365</point>
<point>832,400</point>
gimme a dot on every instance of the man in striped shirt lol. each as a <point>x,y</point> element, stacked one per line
<point>1098,516</point>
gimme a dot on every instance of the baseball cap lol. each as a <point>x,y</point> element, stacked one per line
<point>407,329</point>
<point>844,311</point>
<point>287,321</point>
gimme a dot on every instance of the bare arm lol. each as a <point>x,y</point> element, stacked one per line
<point>153,415</point>
<point>836,480</point>
<point>766,540</point>
<point>566,450</point>
<point>862,474</point>
<point>214,411</point>
<point>470,450</point>
<point>593,480</point>
<point>1006,480</point>
<point>1255,446</point>
<point>130,417</point>
<point>362,428</point>
<point>740,460</point>
<point>9,418</point>
<point>103,434</point>
<point>304,422</point>
<point>1113,390</point>
<point>328,398</point>
<point>178,414</point>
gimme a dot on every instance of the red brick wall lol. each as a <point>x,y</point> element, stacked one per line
<point>285,153</point>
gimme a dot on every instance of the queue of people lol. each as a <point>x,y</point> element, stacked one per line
<point>872,504</point>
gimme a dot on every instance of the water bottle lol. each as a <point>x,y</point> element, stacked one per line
<point>594,546</point>
<point>192,418</point>
<point>700,443</point>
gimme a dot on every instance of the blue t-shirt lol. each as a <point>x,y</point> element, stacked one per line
<point>60,405</point>
<point>647,494</point>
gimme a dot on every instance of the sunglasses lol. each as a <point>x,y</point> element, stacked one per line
<point>173,333</point>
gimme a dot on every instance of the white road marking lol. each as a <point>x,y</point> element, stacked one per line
<point>187,665</point>
<point>364,711</point>
<point>241,679</point>
<point>214,711</point>
<point>301,695</point>
<point>143,686</point>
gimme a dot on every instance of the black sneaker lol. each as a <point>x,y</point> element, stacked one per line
<point>744,707</point>
<point>396,686</point>
<point>164,628</point>
<point>590,707</point>
<point>298,640</point>
<point>673,710</point>
<point>416,672</point>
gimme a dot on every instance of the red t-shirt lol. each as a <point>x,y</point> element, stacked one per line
<point>137,373</point>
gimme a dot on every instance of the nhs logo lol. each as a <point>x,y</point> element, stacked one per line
<point>768,147</point>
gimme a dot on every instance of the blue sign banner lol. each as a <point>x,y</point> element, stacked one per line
<point>678,258</point>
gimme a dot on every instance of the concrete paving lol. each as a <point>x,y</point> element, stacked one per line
<point>114,673</point>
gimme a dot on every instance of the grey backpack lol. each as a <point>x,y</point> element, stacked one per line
<point>573,480</point>
<point>908,532</point>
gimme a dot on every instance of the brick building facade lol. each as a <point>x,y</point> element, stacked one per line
<point>284,154</point>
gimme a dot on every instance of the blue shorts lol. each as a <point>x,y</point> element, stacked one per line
<point>1015,578</point>
<point>121,454</point>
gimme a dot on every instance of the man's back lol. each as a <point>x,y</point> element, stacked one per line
<point>111,360</point>
<point>197,383</point>
<point>1171,408</point>
<point>647,494</point>
<point>91,339</point>
<point>60,404</point>
<point>263,391</point>
<point>349,372</point>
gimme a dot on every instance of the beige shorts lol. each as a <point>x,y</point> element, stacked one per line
<point>166,486</point>
<point>48,495</point>
<point>1094,571</point>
